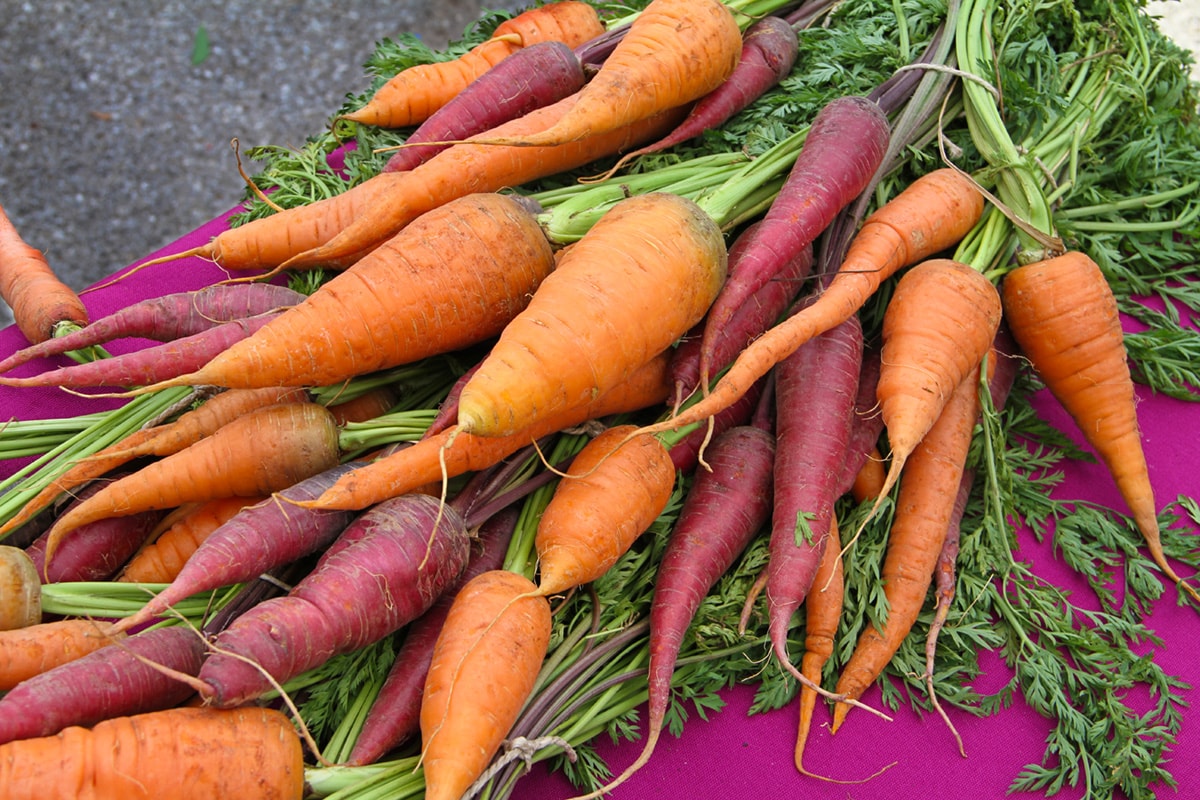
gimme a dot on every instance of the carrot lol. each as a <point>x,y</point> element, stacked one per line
<point>182,753</point>
<point>470,166</point>
<point>454,452</point>
<point>637,281</point>
<point>822,612</point>
<point>395,714</point>
<point>41,303</point>
<point>99,549</point>
<point>452,278</point>
<point>612,492</point>
<point>403,553</point>
<point>844,147</point>
<point>532,77</point>
<point>1063,315</point>
<point>685,452</point>
<point>416,93</point>
<point>938,326</point>
<point>258,539</point>
<point>29,651</point>
<point>166,318</point>
<point>159,440</point>
<point>483,668</point>
<point>21,589</point>
<point>366,406</point>
<point>161,560</point>
<point>675,52</point>
<point>261,452</point>
<point>769,49</point>
<point>932,213</point>
<point>105,683</point>
<point>151,364</point>
<point>922,518</point>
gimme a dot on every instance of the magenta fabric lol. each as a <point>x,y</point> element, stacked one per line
<point>737,756</point>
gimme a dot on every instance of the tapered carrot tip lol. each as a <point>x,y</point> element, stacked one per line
<point>839,716</point>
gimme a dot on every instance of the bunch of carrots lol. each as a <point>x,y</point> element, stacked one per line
<point>593,348</point>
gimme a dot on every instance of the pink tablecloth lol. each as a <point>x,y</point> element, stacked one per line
<point>734,755</point>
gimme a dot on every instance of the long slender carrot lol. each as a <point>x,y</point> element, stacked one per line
<point>923,511</point>
<point>452,278</point>
<point>454,452</point>
<point>674,52</point>
<point>822,613</point>
<point>1064,317</point>
<point>259,453</point>
<point>39,300</point>
<point>483,669</point>
<point>414,94</point>
<point>184,753</point>
<point>29,651</point>
<point>638,280</point>
<point>931,214</point>
<point>610,495</point>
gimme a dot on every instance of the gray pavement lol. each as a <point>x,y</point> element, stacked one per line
<point>115,143</point>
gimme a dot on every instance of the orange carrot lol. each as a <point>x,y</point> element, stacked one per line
<point>1064,317</point>
<point>931,214</point>
<point>484,664</point>
<point>612,492</point>
<point>452,278</point>
<point>823,610</point>
<point>29,651</point>
<point>39,300</point>
<point>366,406</point>
<point>674,52</point>
<point>21,589</point>
<point>868,481</point>
<point>938,326</point>
<point>922,518</point>
<point>182,753</point>
<point>256,454</point>
<point>159,440</point>
<point>161,560</point>
<point>452,452</point>
<point>644,274</point>
<point>412,95</point>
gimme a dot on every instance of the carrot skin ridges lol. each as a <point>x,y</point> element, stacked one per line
<point>924,508</point>
<point>529,79</point>
<point>395,715</point>
<point>644,274</point>
<point>182,753</point>
<point>454,452</point>
<point>613,490</point>
<point>932,213</point>
<point>29,651</point>
<point>21,589</point>
<point>39,300</point>
<point>484,665</point>
<point>161,560</point>
<point>1064,317</point>
<point>412,548</point>
<point>844,147</point>
<point>106,683</point>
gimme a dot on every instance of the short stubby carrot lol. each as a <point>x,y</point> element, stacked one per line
<point>414,94</point>
<point>32,650</point>
<point>644,274</point>
<point>183,753</point>
<point>484,664</point>
<point>675,52</point>
<point>1064,317</point>
<point>612,492</point>
<point>39,299</point>
<point>932,213</point>
<point>452,278</point>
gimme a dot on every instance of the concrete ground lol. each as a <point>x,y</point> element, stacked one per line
<point>115,143</point>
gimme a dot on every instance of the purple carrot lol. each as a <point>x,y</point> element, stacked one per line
<point>255,540</point>
<point>815,391</point>
<point>151,365</point>
<point>867,422</point>
<point>99,549</point>
<point>365,592</point>
<point>532,77</point>
<point>685,453</point>
<point>167,318</point>
<point>844,147</point>
<point>749,320</point>
<point>395,715</point>
<point>448,412</point>
<point>720,515</point>
<point>110,682</point>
